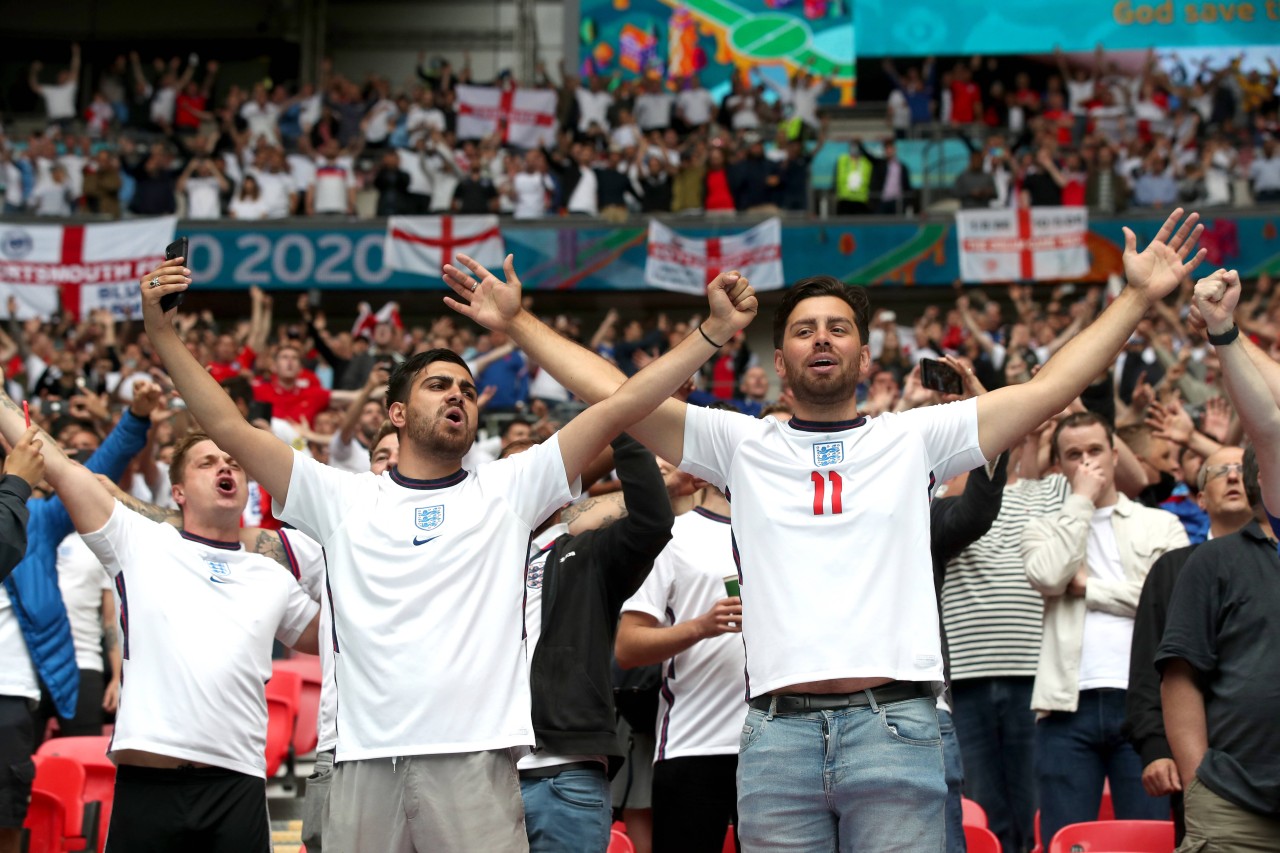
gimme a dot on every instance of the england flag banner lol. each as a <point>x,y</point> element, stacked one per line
<point>525,117</point>
<point>687,264</point>
<point>80,268</point>
<point>1028,244</point>
<point>423,244</point>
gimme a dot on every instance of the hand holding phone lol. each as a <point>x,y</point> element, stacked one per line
<point>940,376</point>
<point>176,249</point>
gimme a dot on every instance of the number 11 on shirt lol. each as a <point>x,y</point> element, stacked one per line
<point>820,493</point>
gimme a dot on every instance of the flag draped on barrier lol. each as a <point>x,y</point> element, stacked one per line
<point>686,264</point>
<point>423,244</point>
<point>1028,244</point>
<point>80,267</point>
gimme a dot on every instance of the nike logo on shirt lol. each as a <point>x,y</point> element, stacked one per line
<point>417,541</point>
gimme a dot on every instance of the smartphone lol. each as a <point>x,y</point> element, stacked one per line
<point>940,376</point>
<point>260,410</point>
<point>176,249</point>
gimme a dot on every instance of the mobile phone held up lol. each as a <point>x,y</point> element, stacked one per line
<point>940,376</point>
<point>176,249</point>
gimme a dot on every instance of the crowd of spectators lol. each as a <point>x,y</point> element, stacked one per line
<point>167,137</point>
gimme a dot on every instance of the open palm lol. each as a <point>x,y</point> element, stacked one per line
<point>481,295</point>
<point>1158,268</point>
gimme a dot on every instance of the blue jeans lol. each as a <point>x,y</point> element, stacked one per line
<point>953,767</point>
<point>571,811</point>
<point>997,732</point>
<point>1076,752</point>
<point>857,779</point>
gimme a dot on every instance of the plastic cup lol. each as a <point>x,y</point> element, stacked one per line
<point>731,587</point>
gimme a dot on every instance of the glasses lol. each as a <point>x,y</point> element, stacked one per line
<point>1213,472</point>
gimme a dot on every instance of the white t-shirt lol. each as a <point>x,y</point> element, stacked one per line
<point>411,164</point>
<point>349,456</point>
<point>593,107</point>
<point>59,100</point>
<point>531,190</point>
<point>653,110</point>
<point>17,675</point>
<point>162,105</point>
<point>1104,653</point>
<point>197,619</point>
<point>74,164</point>
<point>1079,93</point>
<point>831,523</point>
<point>263,121</point>
<point>584,198</point>
<point>82,580</point>
<point>696,105</point>
<point>382,116</point>
<point>203,201</point>
<point>422,120</point>
<point>899,111</point>
<point>332,179</point>
<point>274,189</point>
<point>306,561</point>
<point>426,582</point>
<point>248,208</point>
<point>539,551</point>
<point>703,697</point>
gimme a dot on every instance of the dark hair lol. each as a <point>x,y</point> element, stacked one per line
<point>724,406</point>
<point>238,388</point>
<point>518,447</point>
<point>1252,488</point>
<point>506,428</point>
<point>387,428</point>
<point>1076,420</point>
<point>178,466</point>
<point>402,376</point>
<point>823,285</point>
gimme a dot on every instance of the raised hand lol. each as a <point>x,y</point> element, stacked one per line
<point>1216,298</point>
<point>1170,422</point>
<point>26,460</point>
<point>481,296</point>
<point>733,305</point>
<point>169,277</point>
<point>1157,269</point>
<point>724,618</point>
<point>147,396</point>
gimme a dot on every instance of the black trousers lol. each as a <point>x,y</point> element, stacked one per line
<point>89,717</point>
<point>695,799</point>
<point>192,810</point>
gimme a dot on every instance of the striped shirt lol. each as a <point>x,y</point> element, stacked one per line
<point>993,618</point>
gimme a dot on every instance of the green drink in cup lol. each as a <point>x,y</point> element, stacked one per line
<point>731,587</point>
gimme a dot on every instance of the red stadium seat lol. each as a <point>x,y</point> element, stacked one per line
<point>730,843</point>
<point>620,843</point>
<point>63,779</point>
<point>307,666</point>
<point>45,823</point>
<point>1106,809</point>
<point>284,691</point>
<point>974,814</point>
<point>100,774</point>
<point>979,839</point>
<point>1133,836</point>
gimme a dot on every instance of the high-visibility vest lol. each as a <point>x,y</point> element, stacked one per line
<point>853,178</point>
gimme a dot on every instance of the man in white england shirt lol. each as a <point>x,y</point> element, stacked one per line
<point>198,614</point>
<point>683,618</point>
<point>841,747</point>
<point>425,576</point>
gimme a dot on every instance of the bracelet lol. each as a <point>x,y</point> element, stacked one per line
<point>1227,337</point>
<point>707,338</point>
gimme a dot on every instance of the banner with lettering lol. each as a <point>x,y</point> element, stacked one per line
<point>686,264</point>
<point>1030,244</point>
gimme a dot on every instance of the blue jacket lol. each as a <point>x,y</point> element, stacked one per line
<point>33,586</point>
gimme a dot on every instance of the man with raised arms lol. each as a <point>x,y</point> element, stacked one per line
<point>198,614</point>
<point>425,579</point>
<point>841,748</point>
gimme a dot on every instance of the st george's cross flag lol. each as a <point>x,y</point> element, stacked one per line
<point>1027,244</point>
<point>525,117</point>
<point>424,244</point>
<point>79,268</point>
<point>687,264</point>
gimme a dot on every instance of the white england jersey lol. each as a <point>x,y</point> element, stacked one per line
<point>703,698</point>
<point>831,531</point>
<point>426,585</point>
<point>306,561</point>
<point>197,618</point>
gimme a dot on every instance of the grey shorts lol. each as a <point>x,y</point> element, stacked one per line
<point>315,808</point>
<point>453,803</point>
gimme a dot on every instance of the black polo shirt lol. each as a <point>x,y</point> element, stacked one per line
<point>1223,622</point>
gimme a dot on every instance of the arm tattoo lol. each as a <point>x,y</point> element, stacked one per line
<point>150,511</point>
<point>268,544</point>
<point>109,636</point>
